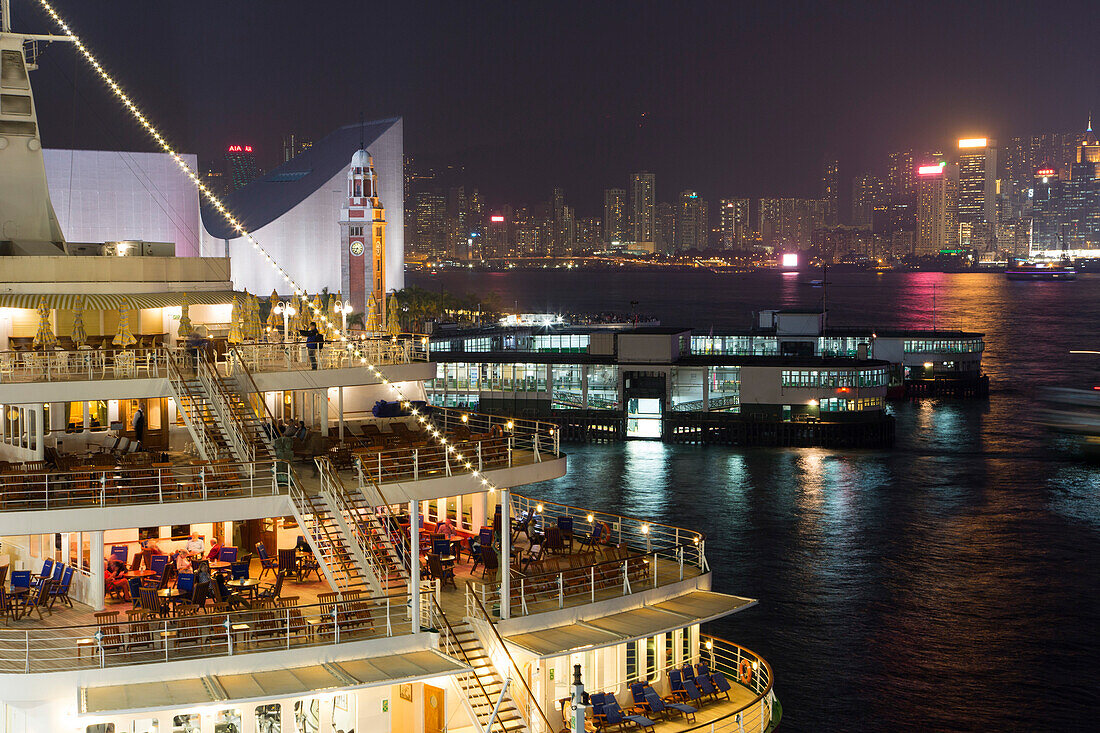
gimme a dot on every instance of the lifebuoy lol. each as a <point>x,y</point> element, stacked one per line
<point>746,671</point>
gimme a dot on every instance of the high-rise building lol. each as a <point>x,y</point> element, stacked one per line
<point>589,234</point>
<point>704,225</point>
<point>666,227</point>
<point>614,215</point>
<point>931,209</point>
<point>496,233</point>
<point>734,223</point>
<point>767,214</point>
<point>455,223</point>
<point>900,176</point>
<point>830,190</point>
<point>294,145</point>
<point>240,162</point>
<point>977,207</point>
<point>560,241</point>
<point>868,193</point>
<point>643,207</point>
<point>429,216</point>
<point>690,222</point>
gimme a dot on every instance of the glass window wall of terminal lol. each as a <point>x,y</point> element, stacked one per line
<point>725,388</point>
<point>944,346</point>
<point>833,378</point>
<point>687,389</point>
<point>735,345</point>
<point>839,345</point>
<point>832,404</point>
<point>561,343</point>
<point>603,387</point>
<point>567,380</point>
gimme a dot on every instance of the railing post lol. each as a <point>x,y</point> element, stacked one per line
<point>202,479</point>
<point>47,491</point>
<point>592,580</point>
<point>511,447</point>
<point>27,638</point>
<point>416,464</point>
<point>680,560</point>
<point>103,489</point>
<point>480,467</point>
<point>654,569</point>
<point>561,590</point>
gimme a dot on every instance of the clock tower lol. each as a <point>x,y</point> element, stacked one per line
<point>363,243</point>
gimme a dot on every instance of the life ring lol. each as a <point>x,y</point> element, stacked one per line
<point>496,431</point>
<point>745,669</point>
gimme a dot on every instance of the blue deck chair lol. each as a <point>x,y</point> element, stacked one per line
<point>159,565</point>
<point>46,573</point>
<point>58,570</point>
<point>720,682</point>
<point>21,579</point>
<point>135,591</point>
<point>239,570</point>
<point>485,536</point>
<point>593,539</point>
<point>442,547</point>
<point>122,552</point>
<point>614,714</point>
<point>266,563</point>
<point>646,697</point>
<point>703,683</point>
<point>185,584</point>
<point>60,590</point>
<point>565,526</point>
<point>683,690</point>
<point>228,554</point>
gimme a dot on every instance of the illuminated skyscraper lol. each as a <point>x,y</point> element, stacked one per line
<point>614,215</point>
<point>977,208</point>
<point>900,177</point>
<point>241,167</point>
<point>690,222</point>
<point>666,227</point>
<point>734,223</point>
<point>931,209</point>
<point>867,194</point>
<point>643,213</point>
<point>830,189</point>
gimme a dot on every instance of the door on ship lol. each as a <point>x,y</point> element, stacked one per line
<point>644,395</point>
<point>433,709</point>
<point>247,534</point>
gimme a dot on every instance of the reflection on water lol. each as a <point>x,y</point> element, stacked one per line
<point>949,584</point>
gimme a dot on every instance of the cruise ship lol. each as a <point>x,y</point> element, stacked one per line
<point>207,526</point>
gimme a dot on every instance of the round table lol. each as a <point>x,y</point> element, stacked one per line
<point>138,574</point>
<point>169,593</point>
<point>245,585</point>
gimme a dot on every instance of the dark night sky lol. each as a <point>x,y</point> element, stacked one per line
<point>730,98</point>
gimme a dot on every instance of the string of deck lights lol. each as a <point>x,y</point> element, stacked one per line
<point>238,227</point>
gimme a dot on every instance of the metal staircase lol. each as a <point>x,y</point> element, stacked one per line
<point>481,687</point>
<point>198,413</point>
<point>329,544</point>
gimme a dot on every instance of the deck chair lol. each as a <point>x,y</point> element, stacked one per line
<point>185,583</point>
<point>122,552</point>
<point>565,527</point>
<point>440,573</point>
<point>47,572</point>
<point>608,712</point>
<point>60,589</point>
<point>592,539</point>
<point>489,560</point>
<point>683,690</point>
<point>227,554</point>
<point>646,697</point>
<point>703,683</point>
<point>266,563</point>
<point>721,684</point>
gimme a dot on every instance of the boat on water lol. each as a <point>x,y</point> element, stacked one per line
<point>1041,270</point>
<point>172,566</point>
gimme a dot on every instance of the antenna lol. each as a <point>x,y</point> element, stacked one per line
<point>360,129</point>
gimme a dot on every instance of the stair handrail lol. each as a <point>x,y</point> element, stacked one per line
<point>453,643</point>
<point>239,363</point>
<point>345,516</point>
<point>298,495</point>
<point>230,424</point>
<point>208,449</point>
<point>515,667</point>
<point>387,539</point>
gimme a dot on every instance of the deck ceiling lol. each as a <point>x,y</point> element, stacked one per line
<point>267,684</point>
<point>691,608</point>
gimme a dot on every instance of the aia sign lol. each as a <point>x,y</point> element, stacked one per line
<point>239,149</point>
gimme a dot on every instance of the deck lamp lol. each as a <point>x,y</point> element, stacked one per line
<point>590,518</point>
<point>287,309</point>
<point>539,508</point>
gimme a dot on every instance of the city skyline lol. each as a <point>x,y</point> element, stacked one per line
<point>523,119</point>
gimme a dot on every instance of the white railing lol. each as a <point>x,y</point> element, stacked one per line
<point>94,486</point>
<point>57,365</point>
<point>484,442</point>
<point>350,523</point>
<point>321,543</point>
<point>742,667</point>
<point>637,555</point>
<point>154,640</point>
<point>295,355</point>
<point>228,420</point>
<point>188,405</point>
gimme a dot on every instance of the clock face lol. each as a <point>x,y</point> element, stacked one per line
<point>357,248</point>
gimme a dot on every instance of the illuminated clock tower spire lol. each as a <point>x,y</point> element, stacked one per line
<point>363,239</point>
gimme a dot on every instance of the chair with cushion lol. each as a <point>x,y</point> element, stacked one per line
<point>703,683</point>
<point>288,562</point>
<point>266,563</point>
<point>683,690</point>
<point>239,571</point>
<point>646,697</point>
<point>122,552</point>
<point>489,560</point>
<point>60,589</point>
<point>46,573</point>
<point>21,579</point>
<point>614,715</point>
<point>159,566</point>
<point>227,554</point>
<point>565,528</point>
<point>441,547</point>
<point>717,678</point>
<point>185,583</point>
<point>134,585</point>
<point>272,591</point>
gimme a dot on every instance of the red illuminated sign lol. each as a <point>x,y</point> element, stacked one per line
<point>496,218</point>
<point>930,170</point>
<point>239,149</point>
<point>1045,172</point>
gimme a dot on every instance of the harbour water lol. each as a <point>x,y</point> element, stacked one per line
<point>949,584</point>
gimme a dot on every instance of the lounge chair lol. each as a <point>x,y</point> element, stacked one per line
<point>60,589</point>
<point>646,697</point>
<point>702,682</point>
<point>683,690</point>
<point>717,678</point>
<point>266,563</point>
<point>607,711</point>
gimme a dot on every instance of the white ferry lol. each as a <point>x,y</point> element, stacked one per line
<point>172,561</point>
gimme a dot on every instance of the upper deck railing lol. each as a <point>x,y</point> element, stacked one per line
<point>484,442</point>
<point>630,555</point>
<point>60,365</point>
<point>148,639</point>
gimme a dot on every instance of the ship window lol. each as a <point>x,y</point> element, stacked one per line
<point>228,720</point>
<point>11,127</point>
<point>651,658</point>
<point>187,723</point>
<point>631,661</point>
<point>343,713</point>
<point>307,716</point>
<point>15,104</point>
<point>269,718</point>
<point>13,74</point>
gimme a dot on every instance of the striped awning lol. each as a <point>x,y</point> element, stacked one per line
<point>112,301</point>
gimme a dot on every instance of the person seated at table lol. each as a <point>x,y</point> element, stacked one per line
<point>215,549</point>
<point>148,549</point>
<point>235,600</point>
<point>289,429</point>
<point>114,579</point>
<point>195,545</point>
<point>303,431</point>
<point>183,561</point>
